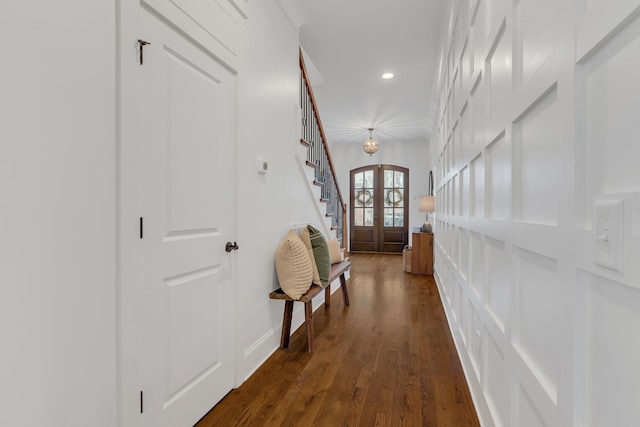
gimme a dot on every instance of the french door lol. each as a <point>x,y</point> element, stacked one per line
<point>379,208</point>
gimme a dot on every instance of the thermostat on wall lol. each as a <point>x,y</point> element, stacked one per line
<point>262,165</point>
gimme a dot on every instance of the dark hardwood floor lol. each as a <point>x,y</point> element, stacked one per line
<point>387,360</point>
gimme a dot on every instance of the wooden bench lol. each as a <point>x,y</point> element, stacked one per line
<point>337,270</point>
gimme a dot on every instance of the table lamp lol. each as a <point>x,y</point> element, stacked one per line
<point>427,204</point>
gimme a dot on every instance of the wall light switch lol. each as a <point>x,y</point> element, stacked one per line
<point>609,234</point>
<point>262,165</point>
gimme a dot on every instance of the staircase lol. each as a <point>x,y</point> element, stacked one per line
<point>318,165</point>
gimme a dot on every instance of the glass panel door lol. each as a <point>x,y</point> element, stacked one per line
<point>379,192</point>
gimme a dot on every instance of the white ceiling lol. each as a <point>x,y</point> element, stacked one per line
<point>352,43</point>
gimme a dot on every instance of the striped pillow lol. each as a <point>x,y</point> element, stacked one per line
<point>293,266</point>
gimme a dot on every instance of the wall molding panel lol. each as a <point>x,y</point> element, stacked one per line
<point>536,122</point>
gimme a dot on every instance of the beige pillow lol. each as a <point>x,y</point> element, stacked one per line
<point>293,266</point>
<point>306,239</point>
<point>335,254</point>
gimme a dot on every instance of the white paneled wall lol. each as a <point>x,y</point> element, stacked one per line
<point>537,120</point>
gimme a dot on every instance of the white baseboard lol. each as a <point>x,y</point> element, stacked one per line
<point>475,388</point>
<point>258,353</point>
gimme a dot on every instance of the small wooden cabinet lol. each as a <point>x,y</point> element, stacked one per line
<point>422,253</point>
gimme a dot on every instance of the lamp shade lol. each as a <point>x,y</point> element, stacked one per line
<point>427,203</point>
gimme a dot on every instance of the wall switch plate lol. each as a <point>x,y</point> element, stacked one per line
<point>262,165</point>
<point>609,234</point>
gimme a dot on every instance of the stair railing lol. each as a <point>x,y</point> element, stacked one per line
<point>319,156</point>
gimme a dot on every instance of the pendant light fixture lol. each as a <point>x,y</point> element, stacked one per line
<point>370,146</point>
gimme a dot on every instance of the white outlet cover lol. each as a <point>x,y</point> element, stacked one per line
<point>609,234</point>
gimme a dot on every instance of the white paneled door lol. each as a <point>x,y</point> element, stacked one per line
<point>185,279</point>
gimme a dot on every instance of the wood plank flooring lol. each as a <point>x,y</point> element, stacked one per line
<point>387,360</point>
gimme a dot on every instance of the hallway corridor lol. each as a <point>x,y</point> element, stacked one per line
<point>387,360</point>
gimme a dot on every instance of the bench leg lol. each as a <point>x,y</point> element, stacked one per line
<point>327,295</point>
<point>286,324</point>
<point>345,291</point>
<point>308,316</point>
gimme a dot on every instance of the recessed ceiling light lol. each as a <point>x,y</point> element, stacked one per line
<point>387,76</point>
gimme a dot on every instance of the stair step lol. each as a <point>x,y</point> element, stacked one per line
<point>312,165</point>
<point>318,183</point>
<point>305,142</point>
<point>322,200</point>
<point>334,227</point>
<point>330,214</point>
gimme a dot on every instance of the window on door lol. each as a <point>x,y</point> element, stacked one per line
<point>394,198</point>
<point>363,203</point>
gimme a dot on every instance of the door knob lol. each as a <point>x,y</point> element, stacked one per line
<point>231,247</point>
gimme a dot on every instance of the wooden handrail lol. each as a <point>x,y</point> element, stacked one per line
<point>303,68</point>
